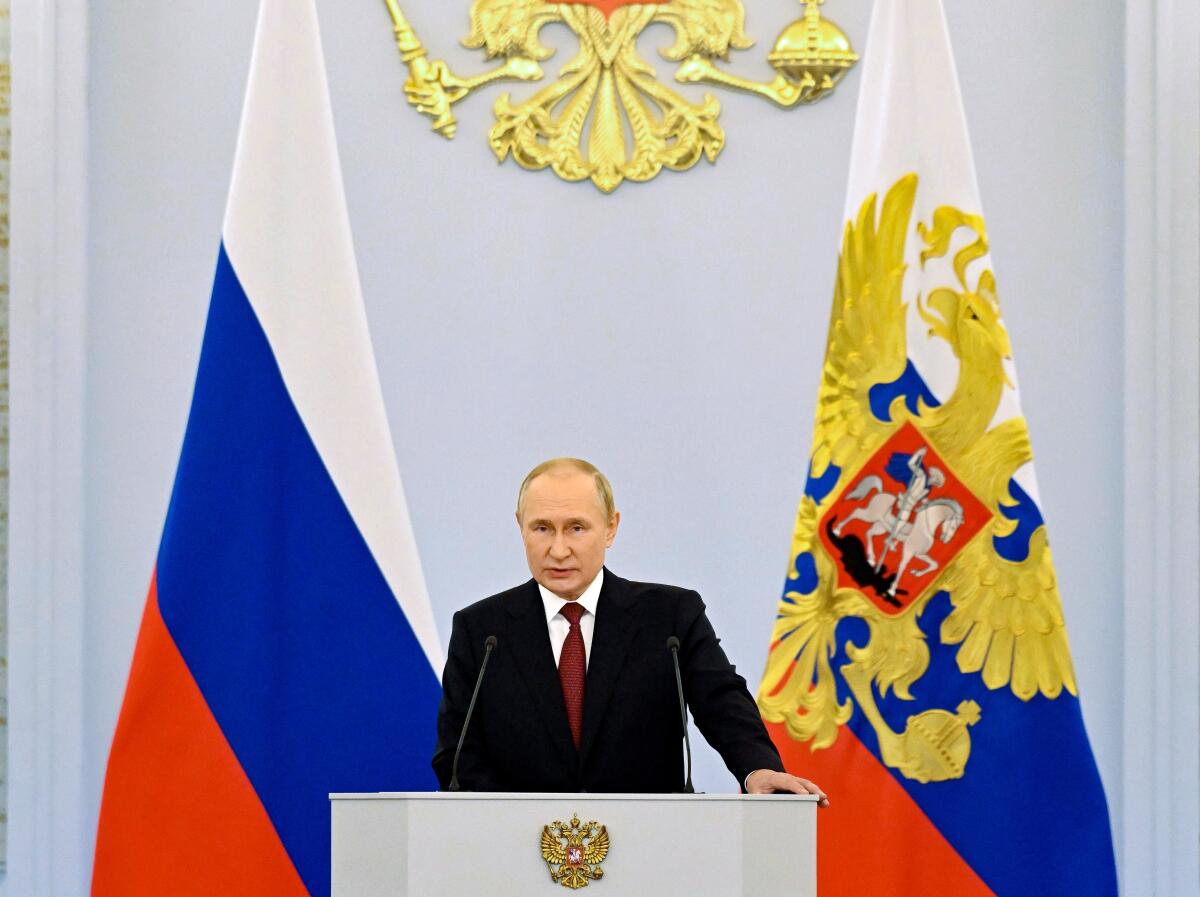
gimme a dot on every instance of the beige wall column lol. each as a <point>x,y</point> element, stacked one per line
<point>1160,827</point>
<point>48,252</point>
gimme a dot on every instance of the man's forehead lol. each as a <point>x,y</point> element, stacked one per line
<point>559,490</point>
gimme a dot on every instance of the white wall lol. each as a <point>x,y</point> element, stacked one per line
<point>671,332</point>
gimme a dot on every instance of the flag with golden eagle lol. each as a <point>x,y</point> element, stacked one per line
<point>919,666</point>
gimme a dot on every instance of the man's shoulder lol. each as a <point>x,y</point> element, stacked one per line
<point>654,592</point>
<point>493,604</point>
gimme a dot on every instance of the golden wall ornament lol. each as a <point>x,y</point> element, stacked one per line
<point>573,852</point>
<point>608,118</point>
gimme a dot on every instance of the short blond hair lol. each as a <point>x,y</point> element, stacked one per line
<point>603,487</point>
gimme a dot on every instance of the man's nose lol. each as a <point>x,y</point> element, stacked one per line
<point>559,547</point>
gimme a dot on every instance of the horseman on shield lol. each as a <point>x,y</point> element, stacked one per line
<point>910,518</point>
<point>920,484</point>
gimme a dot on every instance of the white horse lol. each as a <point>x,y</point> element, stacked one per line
<point>915,537</point>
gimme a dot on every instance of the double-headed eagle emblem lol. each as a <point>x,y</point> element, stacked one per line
<point>573,852</point>
<point>608,118</point>
<point>910,497</point>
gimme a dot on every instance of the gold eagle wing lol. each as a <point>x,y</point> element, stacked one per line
<point>705,27</point>
<point>510,27</point>
<point>867,345</point>
<point>1008,619</point>
<point>1007,615</point>
<point>597,847</point>
<point>867,333</point>
<point>552,849</point>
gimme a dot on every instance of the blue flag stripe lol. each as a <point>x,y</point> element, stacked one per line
<point>278,607</point>
<point>1029,815</point>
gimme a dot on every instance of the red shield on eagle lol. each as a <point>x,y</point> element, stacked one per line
<point>608,7</point>
<point>902,517</point>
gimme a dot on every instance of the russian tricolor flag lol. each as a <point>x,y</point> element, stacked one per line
<point>287,648</point>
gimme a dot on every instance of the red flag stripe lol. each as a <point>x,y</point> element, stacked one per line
<point>873,838</point>
<point>178,815</point>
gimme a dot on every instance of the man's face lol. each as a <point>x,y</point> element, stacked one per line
<point>563,525</point>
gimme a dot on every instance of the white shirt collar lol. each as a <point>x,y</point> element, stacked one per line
<point>588,600</point>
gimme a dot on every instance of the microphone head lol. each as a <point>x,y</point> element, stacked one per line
<point>673,643</point>
<point>489,642</point>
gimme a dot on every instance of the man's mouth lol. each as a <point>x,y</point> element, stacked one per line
<point>559,571</point>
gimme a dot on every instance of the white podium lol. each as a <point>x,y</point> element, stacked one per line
<point>453,845</point>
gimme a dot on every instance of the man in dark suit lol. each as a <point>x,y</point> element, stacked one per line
<point>580,690</point>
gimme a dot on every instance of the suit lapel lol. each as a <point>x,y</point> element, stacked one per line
<point>616,619</point>
<point>529,643</point>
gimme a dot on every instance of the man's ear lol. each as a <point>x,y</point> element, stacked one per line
<point>613,523</point>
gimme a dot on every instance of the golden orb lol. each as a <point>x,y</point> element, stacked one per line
<point>813,52</point>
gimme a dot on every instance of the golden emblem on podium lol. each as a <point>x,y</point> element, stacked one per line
<point>608,118</point>
<point>574,851</point>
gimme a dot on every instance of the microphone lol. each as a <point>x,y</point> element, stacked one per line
<point>488,644</point>
<point>673,644</point>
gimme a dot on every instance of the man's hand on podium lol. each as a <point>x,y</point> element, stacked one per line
<point>768,781</point>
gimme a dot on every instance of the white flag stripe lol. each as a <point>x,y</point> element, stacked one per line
<point>287,234</point>
<point>911,118</point>
<point>910,113</point>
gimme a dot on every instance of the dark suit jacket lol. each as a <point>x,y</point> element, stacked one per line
<point>519,739</point>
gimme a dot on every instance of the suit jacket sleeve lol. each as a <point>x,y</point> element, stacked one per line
<point>458,681</point>
<point>720,703</point>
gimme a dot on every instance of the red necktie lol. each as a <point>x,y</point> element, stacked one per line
<point>572,670</point>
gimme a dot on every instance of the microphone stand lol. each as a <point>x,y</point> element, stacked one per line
<point>673,644</point>
<point>488,644</point>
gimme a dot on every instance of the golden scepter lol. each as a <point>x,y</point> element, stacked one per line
<point>425,87</point>
<point>431,86</point>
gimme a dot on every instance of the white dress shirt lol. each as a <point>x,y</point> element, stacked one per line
<point>558,624</point>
